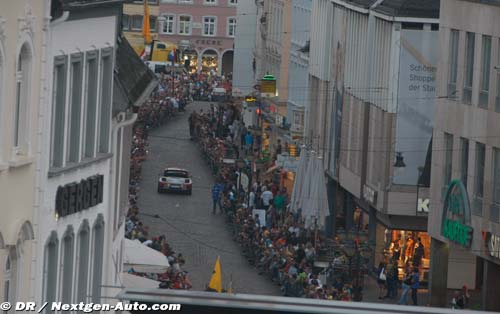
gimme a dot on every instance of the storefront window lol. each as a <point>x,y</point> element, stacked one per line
<point>410,249</point>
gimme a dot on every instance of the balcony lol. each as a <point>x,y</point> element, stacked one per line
<point>495,212</point>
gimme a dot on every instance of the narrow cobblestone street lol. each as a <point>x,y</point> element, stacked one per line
<point>187,221</point>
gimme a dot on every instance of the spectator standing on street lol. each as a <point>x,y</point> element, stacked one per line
<point>381,280</point>
<point>216,193</point>
<point>248,142</point>
<point>267,196</point>
<point>407,283</point>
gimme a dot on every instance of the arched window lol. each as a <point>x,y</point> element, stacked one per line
<point>67,269</point>
<point>22,104</point>
<point>50,269</point>
<point>98,246</point>
<point>10,282</point>
<point>83,254</point>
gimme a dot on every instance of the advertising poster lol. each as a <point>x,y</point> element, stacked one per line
<point>416,99</point>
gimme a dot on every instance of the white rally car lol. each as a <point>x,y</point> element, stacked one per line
<point>176,180</point>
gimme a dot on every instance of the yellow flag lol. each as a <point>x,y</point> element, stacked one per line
<point>146,27</point>
<point>216,280</point>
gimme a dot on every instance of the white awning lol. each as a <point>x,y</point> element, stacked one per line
<point>143,259</point>
<point>133,281</point>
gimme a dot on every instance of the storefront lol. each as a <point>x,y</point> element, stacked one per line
<point>209,62</point>
<point>409,248</point>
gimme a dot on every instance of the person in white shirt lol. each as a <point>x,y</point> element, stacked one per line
<point>266,197</point>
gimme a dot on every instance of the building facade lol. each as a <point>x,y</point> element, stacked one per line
<point>365,91</point>
<point>298,68</point>
<point>203,29</point>
<point>73,251</point>
<point>465,184</point>
<point>23,32</point>
<point>132,21</point>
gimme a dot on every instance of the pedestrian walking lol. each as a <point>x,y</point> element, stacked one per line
<point>381,280</point>
<point>415,285</point>
<point>407,283</point>
<point>248,142</point>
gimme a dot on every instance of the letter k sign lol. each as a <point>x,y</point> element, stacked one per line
<point>423,205</point>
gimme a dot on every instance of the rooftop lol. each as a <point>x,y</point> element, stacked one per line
<point>404,8</point>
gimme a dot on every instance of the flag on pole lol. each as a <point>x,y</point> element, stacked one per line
<point>146,27</point>
<point>216,280</point>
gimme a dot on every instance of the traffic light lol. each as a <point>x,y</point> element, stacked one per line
<point>259,111</point>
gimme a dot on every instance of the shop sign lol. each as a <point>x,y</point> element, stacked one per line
<point>423,205</point>
<point>77,196</point>
<point>492,244</point>
<point>456,221</point>
<point>268,86</point>
<point>212,42</point>
<point>369,194</point>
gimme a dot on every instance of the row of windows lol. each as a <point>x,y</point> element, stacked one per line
<point>479,177</point>
<point>179,24</point>
<point>73,267</point>
<point>471,61</point>
<point>81,106</point>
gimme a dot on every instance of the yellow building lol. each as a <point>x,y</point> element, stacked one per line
<point>133,14</point>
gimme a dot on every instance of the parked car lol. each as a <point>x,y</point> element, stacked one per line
<point>175,180</point>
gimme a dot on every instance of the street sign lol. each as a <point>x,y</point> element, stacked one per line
<point>423,205</point>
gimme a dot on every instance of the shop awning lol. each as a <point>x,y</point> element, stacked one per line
<point>408,223</point>
<point>144,259</point>
<point>134,281</point>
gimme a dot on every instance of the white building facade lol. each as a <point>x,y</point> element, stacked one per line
<point>23,33</point>
<point>74,224</point>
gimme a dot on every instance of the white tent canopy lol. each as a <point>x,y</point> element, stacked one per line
<point>133,281</point>
<point>309,191</point>
<point>144,259</point>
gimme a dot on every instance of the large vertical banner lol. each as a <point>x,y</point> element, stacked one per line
<point>416,98</point>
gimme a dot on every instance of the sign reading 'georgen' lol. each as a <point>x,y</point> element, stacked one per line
<point>456,221</point>
<point>77,196</point>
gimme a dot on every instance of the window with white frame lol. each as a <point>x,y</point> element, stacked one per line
<point>185,1</point>
<point>22,104</point>
<point>168,24</point>
<point>83,254</point>
<point>233,2</point>
<point>67,265</point>
<point>453,65</point>
<point>136,24</point>
<point>209,25</point>
<point>485,72</point>
<point>10,276</point>
<point>210,2</point>
<point>125,22</point>
<point>58,111</point>
<point>50,270</point>
<point>75,108</point>
<point>185,25</point>
<point>497,98</point>
<point>153,23</point>
<point>97,259</point>
<point>231,26</point>
<point>91,103</point>
<point>470,39</point>
<point>106,101</point>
